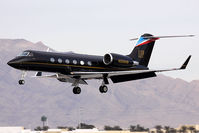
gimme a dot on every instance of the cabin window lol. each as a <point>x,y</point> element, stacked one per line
<point>67,61</point>
<point>75,62</point>
<point>59,60</point>
<point>89,63</point>
<point>52,60</point>
<point>82,62</point>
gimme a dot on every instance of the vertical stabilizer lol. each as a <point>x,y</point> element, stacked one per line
<point>143,49</point>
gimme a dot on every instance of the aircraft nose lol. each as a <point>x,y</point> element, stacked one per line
<point>9,63</point>
<point>13,63</point>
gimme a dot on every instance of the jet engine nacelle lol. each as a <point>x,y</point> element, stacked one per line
<point>117,60</point>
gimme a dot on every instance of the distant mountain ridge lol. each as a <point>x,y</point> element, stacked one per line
<point>149,102</point>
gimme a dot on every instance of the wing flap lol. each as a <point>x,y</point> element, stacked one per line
<point>129,77</point>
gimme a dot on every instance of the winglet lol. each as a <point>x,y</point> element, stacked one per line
<point>185,63</point>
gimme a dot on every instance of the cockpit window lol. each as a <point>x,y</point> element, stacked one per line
<point>25,53</point>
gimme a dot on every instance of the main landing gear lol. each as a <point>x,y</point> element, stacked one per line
<point>77,90</point>
<point>103,88</point>
<point>22,81</point>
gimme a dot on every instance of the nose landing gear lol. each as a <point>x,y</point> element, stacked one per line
<point>22,81</point>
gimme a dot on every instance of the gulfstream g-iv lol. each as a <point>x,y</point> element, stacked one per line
<point>78,68</point>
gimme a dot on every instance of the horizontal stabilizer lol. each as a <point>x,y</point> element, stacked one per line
<point>155,37</point>
<point>150,37</point>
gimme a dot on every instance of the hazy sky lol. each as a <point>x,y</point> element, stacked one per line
<point>102,26</point>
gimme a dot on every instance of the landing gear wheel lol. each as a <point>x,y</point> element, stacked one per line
<point>21,82</point>
<point>103,89</point>
<point>76,90</point>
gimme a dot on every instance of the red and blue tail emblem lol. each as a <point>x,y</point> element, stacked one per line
<point>143,41</point>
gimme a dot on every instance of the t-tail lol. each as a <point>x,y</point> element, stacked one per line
<point>144,47</point>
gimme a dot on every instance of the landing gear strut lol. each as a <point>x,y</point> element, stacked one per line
<point>103,88</point>
<point>22,81</point>
<point>76,89</point>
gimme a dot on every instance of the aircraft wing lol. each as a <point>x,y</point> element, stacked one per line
<point>121,76</point>
<point>115,76</point>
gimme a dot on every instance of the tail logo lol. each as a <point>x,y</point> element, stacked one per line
<point>140,54</point>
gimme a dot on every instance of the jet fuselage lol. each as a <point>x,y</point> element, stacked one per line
<point>78,68</point>
<point>64,62</point>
